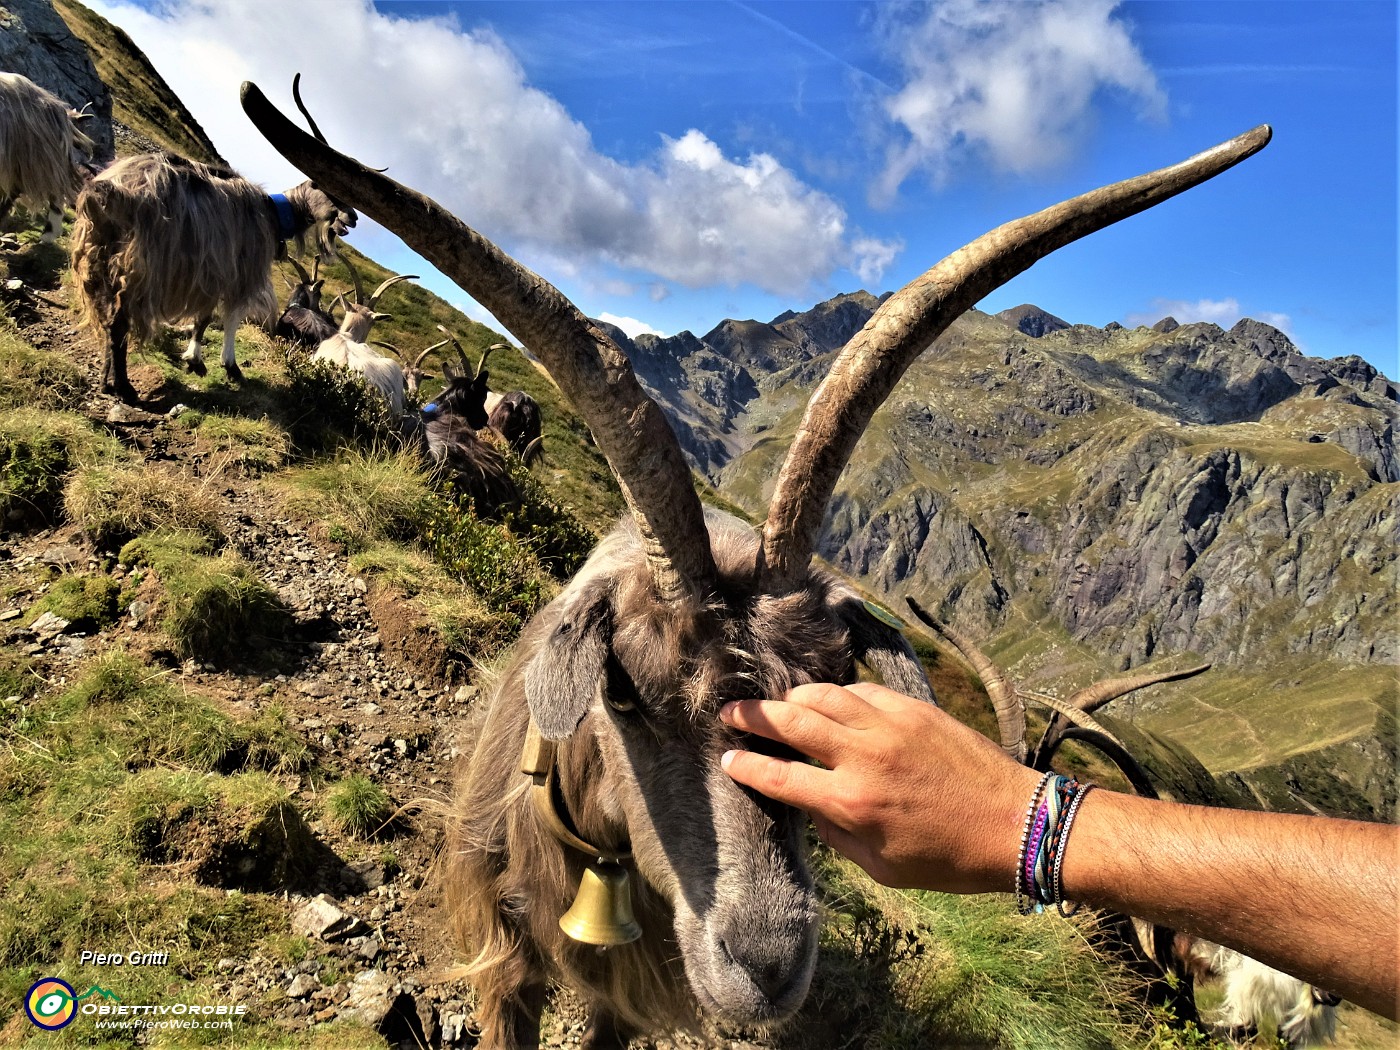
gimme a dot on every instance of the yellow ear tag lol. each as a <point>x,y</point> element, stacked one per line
<point>882,614</point>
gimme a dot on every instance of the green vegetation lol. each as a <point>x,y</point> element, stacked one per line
<point>36,379</point>
<point>216,607</point>
<point>255,445</point>
<point>101,779</point>
<point>358,806</point>
<point>86,602</point>
<point>114,503</point>
<point>38,450</point>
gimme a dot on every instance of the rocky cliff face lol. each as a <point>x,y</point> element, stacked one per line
<point>35,41</point>
<point>1157,490</point>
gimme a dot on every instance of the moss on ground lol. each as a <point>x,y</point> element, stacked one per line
<point>38,451</point>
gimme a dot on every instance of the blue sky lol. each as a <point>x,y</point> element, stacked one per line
<point>671,164</point>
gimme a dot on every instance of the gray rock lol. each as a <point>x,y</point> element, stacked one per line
<point>47,625</point>
<point>320,917</point>
<point>303,984</point>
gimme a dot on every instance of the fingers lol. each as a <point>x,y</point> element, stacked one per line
<point>794,783</point>
<point>801,728</point>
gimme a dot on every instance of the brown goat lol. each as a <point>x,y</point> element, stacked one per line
<point>677,611</point>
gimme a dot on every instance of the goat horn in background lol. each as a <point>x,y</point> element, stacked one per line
<point>301,271</point>
<point>467,369</point>
<point>418,361</point>
<point>374,298</point>
<point>870,365</point>
<point>1006,701</point>
<point>589,367</point>
<point>388,346</point>
<point>355,280</point>
<point>296,94</point>
<point>481,367</point>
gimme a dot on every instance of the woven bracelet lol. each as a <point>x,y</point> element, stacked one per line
<point>1060,856</point>
<point>1022,905</point>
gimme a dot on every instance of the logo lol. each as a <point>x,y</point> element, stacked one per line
<point>51,1004</point>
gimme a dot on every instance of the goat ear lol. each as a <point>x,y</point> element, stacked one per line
<point>563,677</point>
<point>876,641</point>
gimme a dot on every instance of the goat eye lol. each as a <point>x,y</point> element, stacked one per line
<point>619,691</point>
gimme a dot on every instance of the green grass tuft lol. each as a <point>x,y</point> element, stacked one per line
<point>214,607</point>
<point>38,449</point>
<point>89,603</point>
<point>357,806</point>
<point>114,504</point>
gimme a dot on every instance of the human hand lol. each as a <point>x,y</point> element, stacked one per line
<point>909,793</point>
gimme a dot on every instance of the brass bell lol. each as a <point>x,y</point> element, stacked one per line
<point>602,911</point>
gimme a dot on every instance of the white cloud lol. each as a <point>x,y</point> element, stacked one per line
<point>1224,312</point>
<point>1008,84</point>
<point>630,325</point>
<point>451,113</point>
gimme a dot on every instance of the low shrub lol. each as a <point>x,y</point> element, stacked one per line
<point>327,407</point>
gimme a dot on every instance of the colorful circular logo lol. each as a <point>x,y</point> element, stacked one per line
<point>51,1004</point>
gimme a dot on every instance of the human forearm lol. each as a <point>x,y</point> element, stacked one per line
<point>1312,896</point>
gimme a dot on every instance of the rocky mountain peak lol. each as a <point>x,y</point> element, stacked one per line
<point>1032,320</point>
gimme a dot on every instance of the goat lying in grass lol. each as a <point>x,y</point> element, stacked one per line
<point>44,158</point>
<point>304,322</point>
<point>349,347</point>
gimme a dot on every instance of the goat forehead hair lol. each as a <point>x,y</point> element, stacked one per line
<point>741,643</point>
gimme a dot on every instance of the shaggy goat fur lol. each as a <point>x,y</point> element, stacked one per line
<point>42,152</point>
<point>163,240</point>
<point>1306,1016</point>
<point>648,744</point>
<point>516,417</point>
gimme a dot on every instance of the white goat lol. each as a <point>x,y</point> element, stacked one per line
<point>43,155</point>
<point>1306,1016</point>
<point>348,349</point>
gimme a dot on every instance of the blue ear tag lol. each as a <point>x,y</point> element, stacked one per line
<point>431,406</point>
<point>882,614</point>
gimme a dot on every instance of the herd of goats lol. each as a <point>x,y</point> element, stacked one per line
<point>609,700</point>
<point>159,239</point>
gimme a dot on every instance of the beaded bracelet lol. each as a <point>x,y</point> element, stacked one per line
<point>1044,836</point>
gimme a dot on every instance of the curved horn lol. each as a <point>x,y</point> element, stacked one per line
<point>481,367</point>
<point>388,346</point>
<point>301,271</point>
<point>467,369</point>
<point>910,320</point>
<point>1006,701</point>
<point>296,95</point>
<point>418,361</point>
<point>315,268</point>
<point>1062,709</point>
<point>385,285</point>
<point>1093,697</point>
<point>355,280</point>
<point>1115,753</point>
<point>592,371</point>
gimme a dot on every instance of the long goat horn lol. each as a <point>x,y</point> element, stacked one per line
<point>355,280</point>
<point>1092,697</point>
<point>386,285</point>
<point>418,361</point>
<point>301,272</point>
<point>1006,701</point>
<point>870,365</point>
<point>589,367</point>
<point>481,366</point>
<point>296,95</point>
<point>467,369</point>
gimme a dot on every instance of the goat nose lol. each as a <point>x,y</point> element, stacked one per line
<point>772,976</point>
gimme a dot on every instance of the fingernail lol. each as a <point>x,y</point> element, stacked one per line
<point>726,759</point>
<point>726,713</point>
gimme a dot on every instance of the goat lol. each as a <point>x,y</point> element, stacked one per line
<point>348,347</point>
<point>44,158</point>
<point>1176,962</point>
<point>162,240</point>
<point>610,700</point>
<point>446,430</point>
<point>303,321</point>
<point>513,417</point>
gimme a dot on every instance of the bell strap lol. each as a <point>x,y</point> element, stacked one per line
<point>537,762</point>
